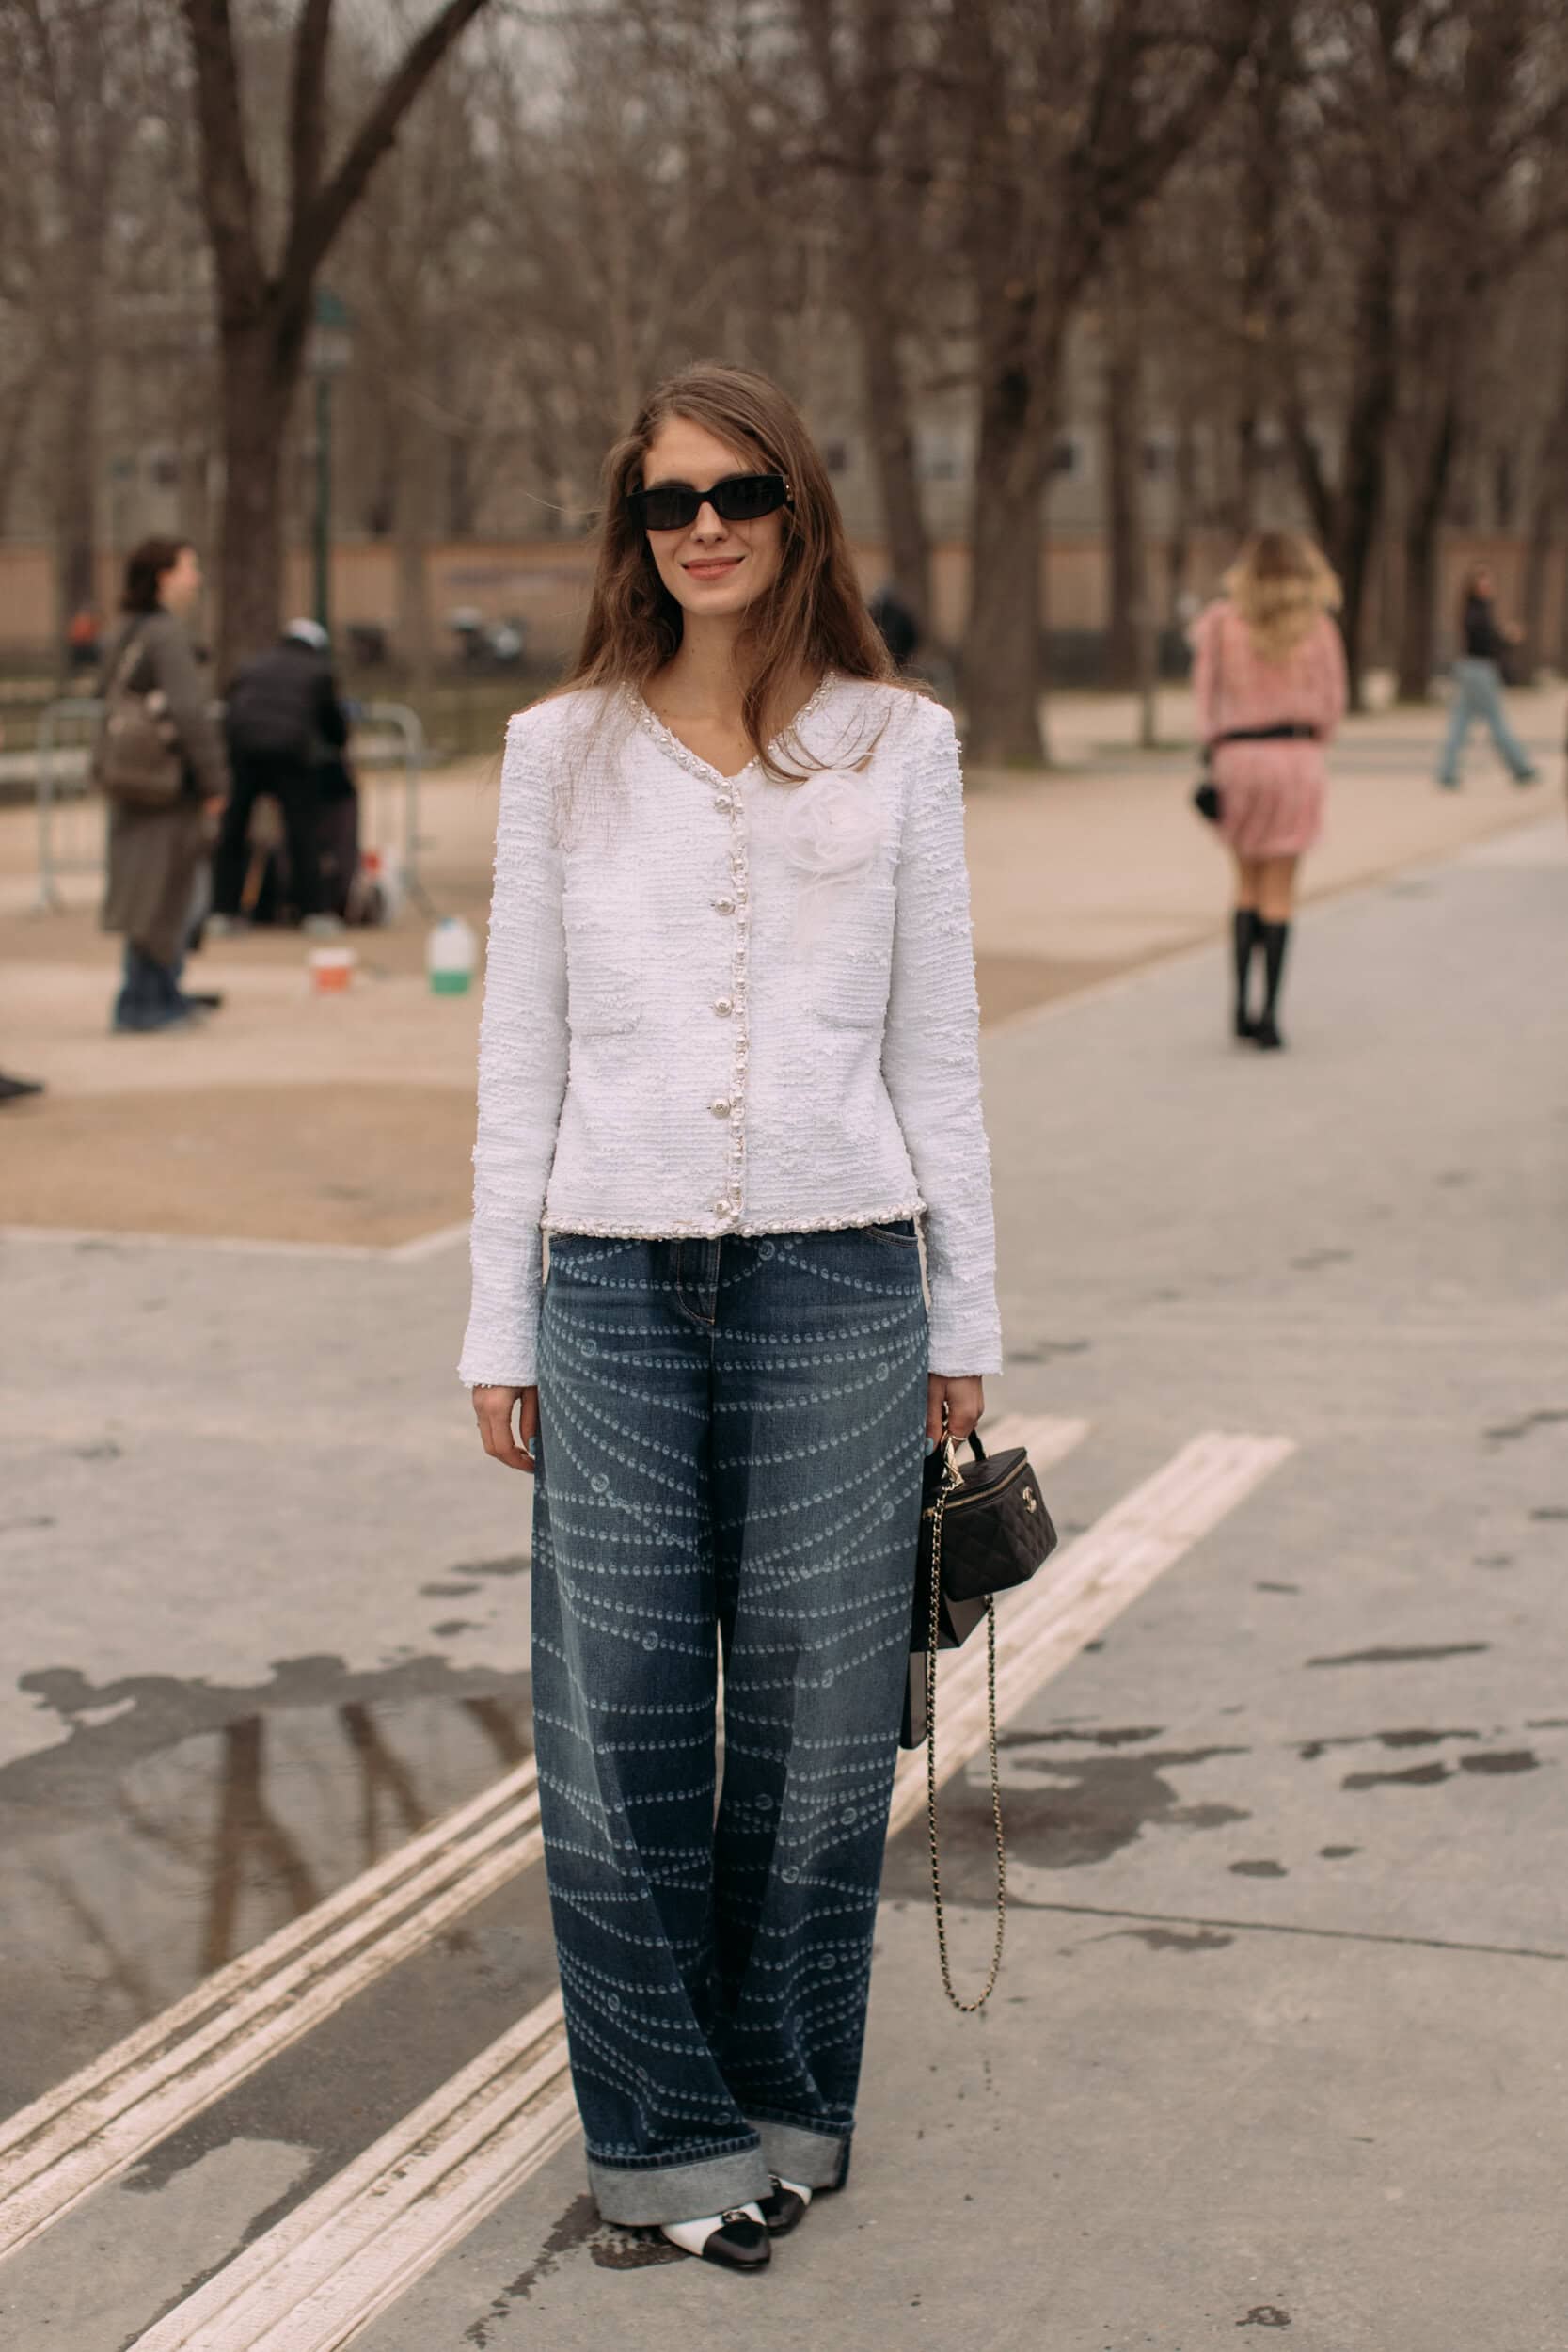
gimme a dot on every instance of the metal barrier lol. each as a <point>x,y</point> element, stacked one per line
<point>65,798</point>
<point>395,830</point>
<point>387,739</point>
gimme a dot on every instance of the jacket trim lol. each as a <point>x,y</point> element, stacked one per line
<point>670,1230</point>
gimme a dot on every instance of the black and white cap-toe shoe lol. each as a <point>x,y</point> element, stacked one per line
<point>737,2240</point>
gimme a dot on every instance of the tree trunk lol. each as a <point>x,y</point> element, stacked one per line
<point>1178,559</point>
<point>892,432</point>
<point>1423,525</point>
<point>259,375</point>
<point>75,375</point>
<point>1002,654</point>
<point>76,478</point>
<point>1122,389</point>
<point>1360,505</point>
<point>416,641</point>
<point>1538,560</point>
<point>1551,488</point>
<point>16,417</point>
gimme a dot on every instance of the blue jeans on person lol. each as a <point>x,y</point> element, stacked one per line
<point>1478,693</point>
<point>151,997</point>
<point>731,1434</point>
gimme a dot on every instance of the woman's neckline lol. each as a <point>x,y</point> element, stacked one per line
<point>682,752</point>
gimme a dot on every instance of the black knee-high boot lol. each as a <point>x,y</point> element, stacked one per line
<point>1244,927</point>
<point>1276,938</point>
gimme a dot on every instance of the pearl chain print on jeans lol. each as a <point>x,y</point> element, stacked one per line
<point>722,1005</point>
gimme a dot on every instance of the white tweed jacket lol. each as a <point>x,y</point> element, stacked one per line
<point>722,1005</point>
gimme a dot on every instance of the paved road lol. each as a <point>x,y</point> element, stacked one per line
<point>1281,2041</point>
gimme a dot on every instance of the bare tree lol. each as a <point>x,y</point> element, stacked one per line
<point>264,306</point>
<point>1497,109</point>
<point>1548,511</point>
<point>75,69</point>
<point>1073,114</point>
<point>873,106</point>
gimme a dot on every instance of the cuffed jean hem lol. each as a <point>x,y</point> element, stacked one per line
<point>811,2159</point>
<point>640,2196</point>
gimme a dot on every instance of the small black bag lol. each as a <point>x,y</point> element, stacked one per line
<point>984,1527</point>
<point>1206,800</point>
<point>995,1528</point>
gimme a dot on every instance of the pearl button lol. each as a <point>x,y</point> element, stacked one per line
<point>723,906</point>
<point>723,1005</point>
<point>721,1108</point>
<point>724,1208</point>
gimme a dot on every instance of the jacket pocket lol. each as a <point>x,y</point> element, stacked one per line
<point>853,957</point>
<point>604,970</point>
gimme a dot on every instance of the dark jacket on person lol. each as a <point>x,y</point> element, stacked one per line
<point>1483,639</point>
<point>283,706</point>
<point>154,853</point>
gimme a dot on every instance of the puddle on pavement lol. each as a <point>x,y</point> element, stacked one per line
<point>1062,1810</point>
<point>132,1865</point>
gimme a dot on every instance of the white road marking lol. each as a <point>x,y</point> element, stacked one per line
<point>429,1245</point>
<point>1044,1437</point>
<point>92,1237</point>
<point>90,2127</point>
<point>344,2255</point>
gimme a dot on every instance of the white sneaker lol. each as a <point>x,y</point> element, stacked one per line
<point>225,925</point>
<point>322,927</point>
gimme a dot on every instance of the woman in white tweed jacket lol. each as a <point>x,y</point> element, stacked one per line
<point>729,1066</point>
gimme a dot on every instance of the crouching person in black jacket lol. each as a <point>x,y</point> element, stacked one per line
<point>284,722</point>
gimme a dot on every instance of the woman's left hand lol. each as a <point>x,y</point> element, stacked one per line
<point>965,1401</point>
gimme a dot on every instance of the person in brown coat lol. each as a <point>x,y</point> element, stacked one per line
<point>154,854</point>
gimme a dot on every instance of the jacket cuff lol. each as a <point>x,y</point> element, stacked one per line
<point>966,1329</point>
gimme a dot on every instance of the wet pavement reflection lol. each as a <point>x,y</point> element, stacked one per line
<point>129,1871</point>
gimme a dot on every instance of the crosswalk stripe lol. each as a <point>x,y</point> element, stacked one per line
<point>1045,1438</point>
<point>344,2255</point>
<point>92,2126</point>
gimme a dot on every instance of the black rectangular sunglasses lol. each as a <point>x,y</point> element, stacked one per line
<point>741,498</point>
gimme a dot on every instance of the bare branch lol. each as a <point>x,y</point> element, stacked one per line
<point>227,188</point>
<point>308,104</point>
<point>312,233</point>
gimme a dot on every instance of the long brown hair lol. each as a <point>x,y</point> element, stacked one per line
<point>812,619</point>
<point>1280,584</point>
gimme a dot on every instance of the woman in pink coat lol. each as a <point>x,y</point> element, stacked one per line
<point>1269,675</point>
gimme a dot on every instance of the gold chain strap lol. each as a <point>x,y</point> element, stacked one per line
<point>938,1514</point>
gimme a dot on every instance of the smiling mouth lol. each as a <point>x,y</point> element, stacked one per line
<point>713,563</point>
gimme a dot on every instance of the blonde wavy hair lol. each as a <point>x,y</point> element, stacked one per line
<point>1280,584</point>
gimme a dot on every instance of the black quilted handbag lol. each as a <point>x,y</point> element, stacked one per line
<point>984,1527</point>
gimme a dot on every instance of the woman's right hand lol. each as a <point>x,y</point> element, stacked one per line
<point>493,1409</point>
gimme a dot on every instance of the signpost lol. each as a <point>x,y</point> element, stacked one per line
<point>327,355</point>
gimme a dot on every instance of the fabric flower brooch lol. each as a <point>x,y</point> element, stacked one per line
<point>832,825</point>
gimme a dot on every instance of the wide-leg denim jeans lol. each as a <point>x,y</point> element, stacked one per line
<point>1478,693</point>
<point>731,1441</point>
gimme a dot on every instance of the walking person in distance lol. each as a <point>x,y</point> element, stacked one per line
<point>1477,682</point>
<point>728,1063</point>
<point>1269,679</point>
<point>155,853</point>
